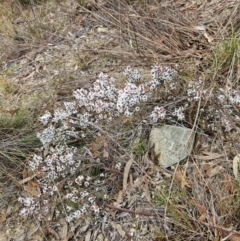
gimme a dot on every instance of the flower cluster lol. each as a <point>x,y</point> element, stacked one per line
<point>89,204</point>
<point>178,112</point>
<point>224,116</point>
<point>164,76</point>
<point>233,96</point>
<point>226,100</point>
<point>196,91</point>
<point>163,73</point>
<point>58,163</point>
<point>97,105</point>
<point>103,102</point>
<point>31,206</point>
<point>158,113</point>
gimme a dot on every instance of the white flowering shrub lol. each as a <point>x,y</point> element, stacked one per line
<point>59,167</point>
<point>62,172</point>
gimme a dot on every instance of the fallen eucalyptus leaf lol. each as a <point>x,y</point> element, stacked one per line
<point>236,165</point>
<point>118,227</point>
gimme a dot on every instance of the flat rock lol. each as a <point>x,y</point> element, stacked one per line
<point>171,144</point>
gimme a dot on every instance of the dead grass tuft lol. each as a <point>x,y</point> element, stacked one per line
<point>166,31</point>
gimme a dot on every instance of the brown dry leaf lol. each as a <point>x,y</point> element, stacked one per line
<point>147,192</point>
<point>118,227</point>
<point>231,235</point>
<point>230,187</point>
<point>116,204</point>
<point>32,183</point>
<point>69,236</point>
<point>96,147</point>
<point>3,216</point>
<point>214,171</point>
<point>181,177</point>
<point>33,190</point>
<point>207,166</point>
<point>27,177</point>
<point>126,172</point>
<point>200,208</point>
<point>202,217</point>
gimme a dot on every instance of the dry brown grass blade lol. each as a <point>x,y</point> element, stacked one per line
<point>14,180</point>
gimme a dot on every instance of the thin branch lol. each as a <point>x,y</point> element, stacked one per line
<point>142,213</point>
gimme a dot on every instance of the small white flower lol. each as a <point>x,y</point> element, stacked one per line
<point>105,196</point>
<point>118,165</point>
<point>45,118</point>
<point>79,179</point>
<point>84,194</point>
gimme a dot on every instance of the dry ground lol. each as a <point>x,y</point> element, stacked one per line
<point>51,48</point>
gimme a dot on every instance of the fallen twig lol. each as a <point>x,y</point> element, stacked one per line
<point>143,213</point>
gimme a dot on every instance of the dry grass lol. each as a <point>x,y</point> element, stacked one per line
<point>48,49</point>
